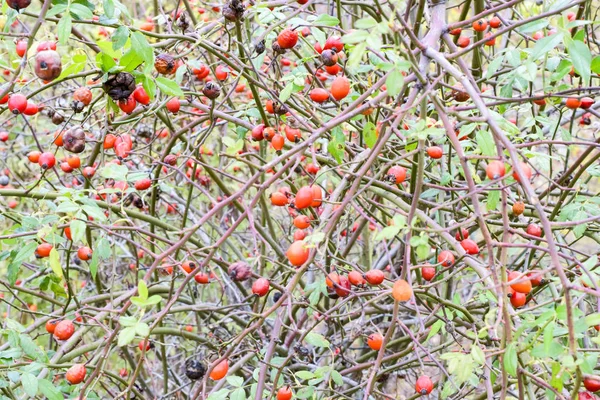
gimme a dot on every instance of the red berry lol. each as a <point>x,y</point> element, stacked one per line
<point>463,41</point>
<point>173,105</point>
<point>201,278</point>
<point>285,393</point>
<point>17,103</point>
<point>573,103</point>
<point>84,253</point>
<point>340,88</point>
<point>495,22</point>
<point>526,171</point>
<point>534,230</point>
<point>21,47</point>
<point>287,39</point>
<point>517,299</point>
<point>143,184</point>
<point>428,273</point>
<point>424,385</point>
<point>51,325</point>
<point>375,341</point>
<point>128,105</point>
<point>470,246</point>
<point>495,169</point>
<point>435,152</point>
<point>45,45</point>
<point>64,330</point>
<point>304,197</point>
<point>586,103</point>
<point>319,95</point>
<point>462,234</point>
<point>47,160</point>
<point>374,276</point>
<point>446,258</point>
<point>221,73</point>
<point>343,287</point>
<point>334,42</point>
<point>260,287</point>
<point>219,371</point>
<point>140,95</point>
<point>480,25</point>
<point>396,174</point>
<point>76,374</point>
<point>31,108</point>
<point>591,384</point>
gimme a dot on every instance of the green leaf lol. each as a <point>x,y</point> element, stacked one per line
<point>319,36</point>
<point>492,200</point>
<point>142,289</point>
<point>337,144</point>
<point>114,171</point>
<point>54,259</point>
<point>148,84</point>
<point>66,205</point>
<point>595,66</point>
<point>494,66</point>
<point>238,394</point>
<point>478,355</point>
<point>387,233</point>
<point>168,87</point>
<point>357,54</point>
<point>93,265</point>
<point>26,252</point>
<point>394,82</point>
<point>109,8</point>
<point>219,395</point>
<point>510,359</point>
<point>369,134</point>
<point>235,381</point>
<point>591,262</point>
<point>80,11</point>
<point>485,143</point>
<point>49,391</point>
<point>233,146</point>
<point>30,348</point>
<point>143,48</point>
<point>305,375</point>
<point>317,340</point>
<point>305,392</point>
<point>581,58</point>
<point>128,321</point>
<point>142,329</point>
<point>326,20</point>
<point>126,336</point>
<point>14,325</point>
<point>533,26</point>
<point>103,248</point>
<point>337,378</point>
<point>358,36</point>
<point>152,300</point>
<point>56,9</point>
<point>286,92</point>
<point>64,29</point>
<point>23,254</point>
<point>366,23</point>
<point>592,319</point>
<point>544,45</point>
<point>435,328</point>
<point>30,384</point>
<point>119,38</point>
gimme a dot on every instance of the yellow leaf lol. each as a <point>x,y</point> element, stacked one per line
<point>55,263</point>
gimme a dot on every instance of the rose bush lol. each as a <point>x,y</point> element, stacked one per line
<point>299,199</point>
